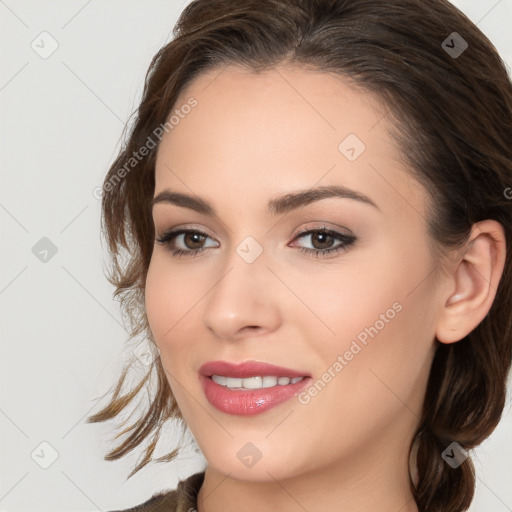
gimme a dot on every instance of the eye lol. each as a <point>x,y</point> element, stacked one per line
<point>323,239</point>
<point>191,241</point>
<point>185,236</point>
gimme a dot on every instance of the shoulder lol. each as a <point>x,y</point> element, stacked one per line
<point>181,499</point>
<point>165,501</point>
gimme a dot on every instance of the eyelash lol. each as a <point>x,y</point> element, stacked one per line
<point>347,240</point>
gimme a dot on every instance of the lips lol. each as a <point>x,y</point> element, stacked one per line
<point>248,369</point>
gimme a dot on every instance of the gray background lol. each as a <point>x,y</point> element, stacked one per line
<point>62,337</point>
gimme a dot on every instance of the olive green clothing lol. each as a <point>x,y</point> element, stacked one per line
<point>181,499</point>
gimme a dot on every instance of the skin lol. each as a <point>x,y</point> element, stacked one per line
<point>254,137</point>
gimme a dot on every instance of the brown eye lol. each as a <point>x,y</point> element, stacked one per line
<point>191,239</point>
<point>322,241</point>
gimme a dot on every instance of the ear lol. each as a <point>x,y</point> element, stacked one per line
<point>474,281</point>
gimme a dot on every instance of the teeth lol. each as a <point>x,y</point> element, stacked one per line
<point>254,382</point>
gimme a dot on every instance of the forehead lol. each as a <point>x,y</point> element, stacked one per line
<point>287,127</point>
<point>284,107</point>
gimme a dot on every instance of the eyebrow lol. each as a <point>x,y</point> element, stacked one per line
<point>279,205</point>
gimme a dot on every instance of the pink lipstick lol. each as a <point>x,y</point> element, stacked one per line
<point>251,387</point>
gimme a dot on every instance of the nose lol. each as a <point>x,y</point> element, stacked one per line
<point>244,300</point>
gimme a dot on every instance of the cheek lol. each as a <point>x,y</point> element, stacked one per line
<point>380,315</point>
<point>169,302</point>
<point>396,334</point>
<point>372,375</point>
<point>169,296</point>
<point>157,300</point>
<point>353,295</point>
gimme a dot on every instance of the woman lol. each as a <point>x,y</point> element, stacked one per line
<point>311,222</point>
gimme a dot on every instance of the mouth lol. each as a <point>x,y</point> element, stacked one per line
<point>251,387</point>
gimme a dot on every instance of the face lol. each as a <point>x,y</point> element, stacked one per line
<point>337,288</point>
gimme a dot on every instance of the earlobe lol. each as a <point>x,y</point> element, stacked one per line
<point>475,278</point>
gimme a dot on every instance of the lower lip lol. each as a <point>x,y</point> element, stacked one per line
<point>251,401</point>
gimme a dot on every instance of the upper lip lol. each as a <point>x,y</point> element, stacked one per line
<point>247,369</point>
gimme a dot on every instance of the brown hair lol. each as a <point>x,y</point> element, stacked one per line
<point>452,116</point>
